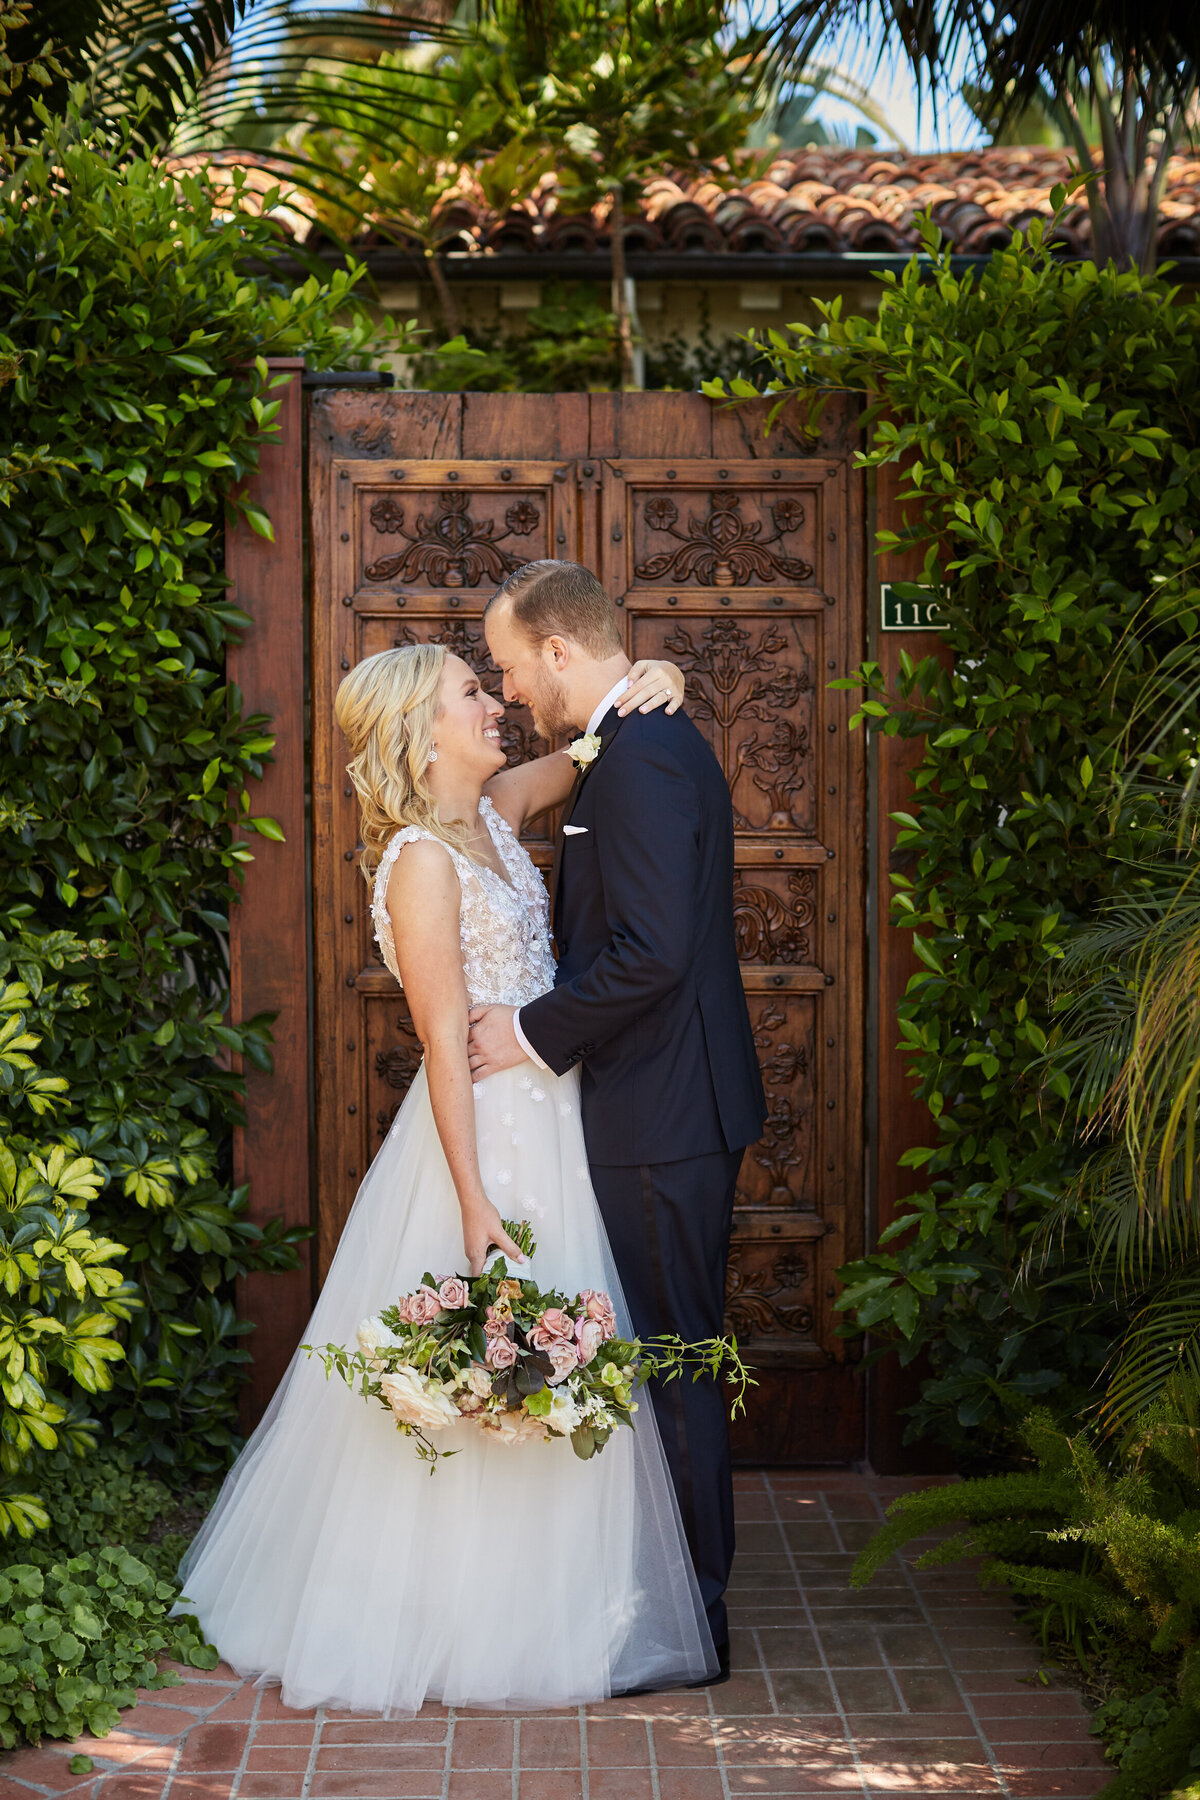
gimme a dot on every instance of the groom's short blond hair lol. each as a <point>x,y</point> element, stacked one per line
<point>561,599</point>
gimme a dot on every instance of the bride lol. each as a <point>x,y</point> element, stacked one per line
<point>517,1576</point>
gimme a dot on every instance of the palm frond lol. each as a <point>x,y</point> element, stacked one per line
<point>1021,47</point>
<point>930,33</point>
<point>206,66</point>
<point>1129,1245</point>
<point>1160,1350</point>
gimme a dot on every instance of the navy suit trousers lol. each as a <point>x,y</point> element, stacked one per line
<point>669,1226</point>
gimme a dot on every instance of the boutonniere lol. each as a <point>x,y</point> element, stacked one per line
<point>584,751</point>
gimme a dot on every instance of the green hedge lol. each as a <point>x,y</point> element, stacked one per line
<point>1047,415</point>
<point>137,399</point>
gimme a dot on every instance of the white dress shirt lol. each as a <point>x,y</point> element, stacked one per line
<point>610,699</point>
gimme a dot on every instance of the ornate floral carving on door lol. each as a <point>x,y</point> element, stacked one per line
<point>447,548</point>
<point>724,548</point>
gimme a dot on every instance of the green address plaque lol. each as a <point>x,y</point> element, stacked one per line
<point>920,614</point>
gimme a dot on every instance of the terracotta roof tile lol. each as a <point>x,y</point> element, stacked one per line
<point>817,199</point>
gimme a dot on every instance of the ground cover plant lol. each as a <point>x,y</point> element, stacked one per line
<point>85,1606</point>
<point>1045,417</point>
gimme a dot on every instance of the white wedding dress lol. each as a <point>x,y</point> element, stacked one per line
<point>334,1562</point>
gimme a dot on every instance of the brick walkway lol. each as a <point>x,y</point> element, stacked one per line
<point>920,1684</point>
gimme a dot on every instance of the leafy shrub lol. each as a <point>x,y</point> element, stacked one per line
<point>1045,417</point>
<point>139,399</point>
<point>63,1296</point>
<point>570,343</point>
<point>1102,1545</point>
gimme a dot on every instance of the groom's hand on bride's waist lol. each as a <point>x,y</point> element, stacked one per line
<point>492,1044</point>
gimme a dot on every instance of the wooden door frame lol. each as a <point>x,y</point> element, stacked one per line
<point>271,928</point>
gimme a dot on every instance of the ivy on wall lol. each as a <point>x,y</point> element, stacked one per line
<point>1046,418</point>
<point>137,397</point>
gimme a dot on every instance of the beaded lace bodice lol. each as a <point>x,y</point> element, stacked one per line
<point>505,925</point>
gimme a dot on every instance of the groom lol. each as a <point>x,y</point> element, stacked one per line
<point>647,999</point>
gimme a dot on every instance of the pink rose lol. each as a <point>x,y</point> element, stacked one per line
<point>494,1327</point>
<point>404,1309</point>
<point>501,1352</point>
<point>589,1336</point>
<point>424,1305</point>
<point>453,1293</point>
<point>554,1327</point>
<point>565,1357</point>
<point>599,1307</point>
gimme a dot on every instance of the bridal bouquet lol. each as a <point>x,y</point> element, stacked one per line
<point>512,1359</point>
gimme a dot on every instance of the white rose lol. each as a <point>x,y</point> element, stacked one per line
<point>417,1401</point>
<point>564,1414</point>
<point>479,1380</point>
<point>583,751</point>
<point>373,1336</point>
<point>513,1427</point>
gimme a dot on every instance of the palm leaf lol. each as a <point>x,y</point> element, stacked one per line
<point>1160,1349</point>
<point>1020,47</point>
<point>206,67</point>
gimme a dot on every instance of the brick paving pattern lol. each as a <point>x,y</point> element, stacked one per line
<point>920,1684</point>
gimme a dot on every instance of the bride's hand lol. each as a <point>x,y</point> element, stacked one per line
<point>483,1229</point>
<point>651,685</point>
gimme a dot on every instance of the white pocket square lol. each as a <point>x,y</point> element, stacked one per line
<point>574,830</point>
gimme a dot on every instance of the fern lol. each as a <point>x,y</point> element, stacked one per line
<point>1046,1497</point>
<point>1100,1540</point>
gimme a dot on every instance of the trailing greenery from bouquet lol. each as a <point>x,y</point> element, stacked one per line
<point>1044,416</point>
<point>523,1362</point>
<point>1100,1546</point>
<point>137,399</point>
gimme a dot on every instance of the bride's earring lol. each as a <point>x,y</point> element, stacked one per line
<point>433,756</point>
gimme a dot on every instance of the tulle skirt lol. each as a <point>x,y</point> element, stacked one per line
<point>336,1564</point>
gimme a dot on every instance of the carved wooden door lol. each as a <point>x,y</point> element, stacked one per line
<point>738,571</point>
<point>741,568</point>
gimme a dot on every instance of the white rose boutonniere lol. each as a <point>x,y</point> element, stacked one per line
<point>584,751</point>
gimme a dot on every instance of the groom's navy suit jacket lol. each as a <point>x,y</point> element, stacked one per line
<point>648,995</point>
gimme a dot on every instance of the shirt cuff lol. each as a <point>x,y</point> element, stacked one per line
<point>525,1044</point>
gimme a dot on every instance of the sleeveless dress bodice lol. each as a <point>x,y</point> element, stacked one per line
<point>504,925</point>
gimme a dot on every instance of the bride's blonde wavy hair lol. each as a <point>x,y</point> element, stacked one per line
<point>386,709</point>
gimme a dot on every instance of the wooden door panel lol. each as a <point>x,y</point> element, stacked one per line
<point>404,552</point>
<point>752,691</point>
<point>779,1173</point>
<point>738,571</point>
